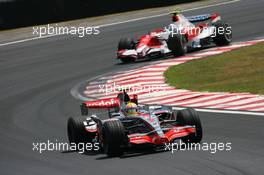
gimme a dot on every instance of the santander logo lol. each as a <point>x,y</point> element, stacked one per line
<point>107,103</point>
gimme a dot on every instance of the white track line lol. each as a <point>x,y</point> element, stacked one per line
<point>164,14</point>
<point>122,22</point>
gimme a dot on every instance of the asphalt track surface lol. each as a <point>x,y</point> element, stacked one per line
<point>35,102</point>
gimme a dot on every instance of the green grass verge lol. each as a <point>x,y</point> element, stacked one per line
<point>240,70</point>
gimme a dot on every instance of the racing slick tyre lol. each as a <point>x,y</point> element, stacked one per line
<point>114,138</point>
<point>126,43</point>
<point>76,131</point>
<point>190,117</point>
<point>223,35</point>
<point>177,44</point>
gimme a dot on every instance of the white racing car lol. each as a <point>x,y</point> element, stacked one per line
<point>183,35</point>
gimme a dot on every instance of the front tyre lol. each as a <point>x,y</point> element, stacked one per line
<point>77,133</point>
<point>114,138</point>
<point>177,43</point>
<point>190,117</point>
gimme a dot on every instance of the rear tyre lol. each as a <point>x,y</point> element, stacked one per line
<point>177,44</point>
<point>114,138</point>
<point>190,117</point>
<point>77,133</point>
<point>223,35</point>
<point>126,43</point>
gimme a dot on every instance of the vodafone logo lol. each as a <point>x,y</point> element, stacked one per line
<point>104,103</point>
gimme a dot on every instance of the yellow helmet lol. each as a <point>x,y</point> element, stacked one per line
<point>175,12</point>
<point>131,109</point>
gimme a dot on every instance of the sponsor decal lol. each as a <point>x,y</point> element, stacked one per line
<point>110,102</point>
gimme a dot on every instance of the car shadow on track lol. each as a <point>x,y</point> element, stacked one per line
<point>145,61</point>
<point>86,153</point>
<point>100,155</point>
<point>103,156</point>
<point>165,57</point>
<point>133,154</point>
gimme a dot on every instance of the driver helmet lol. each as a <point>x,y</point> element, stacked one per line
<point>131,109</point>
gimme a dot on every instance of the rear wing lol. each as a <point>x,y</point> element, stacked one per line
<point>204,17</point>
<point>103,103</point>
<point>106,103</point>
<point>116,103</point>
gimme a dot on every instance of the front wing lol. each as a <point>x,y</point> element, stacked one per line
<point>153,138</point>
